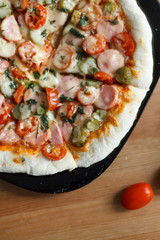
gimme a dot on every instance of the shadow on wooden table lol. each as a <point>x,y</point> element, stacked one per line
<point>117,202</point>
<point>14,190</point>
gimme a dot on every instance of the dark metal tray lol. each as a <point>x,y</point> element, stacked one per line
<point>68,181</point>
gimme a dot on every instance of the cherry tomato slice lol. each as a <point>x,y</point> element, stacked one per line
<point>62,58</point>
<point>71,109</point>
<point>21,5</point>
<point>35,16</point>
<point>18,95</point>
<point>103,77</point>
<point>18,73</point>
<point>124,43</point>
<point>27,126</point>
<point>52,97</point>
<point>93,13</point>
<point>137,196</point>
<point>54,152</point>
<point>26,52</point>
<point>94,44</point>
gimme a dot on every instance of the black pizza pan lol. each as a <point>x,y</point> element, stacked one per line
<point>68,181</point>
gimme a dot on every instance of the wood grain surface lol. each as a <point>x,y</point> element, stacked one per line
<point>93,212</point>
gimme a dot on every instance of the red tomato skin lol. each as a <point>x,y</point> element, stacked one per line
<point>18,95</point>
<point>103,77</point>
<point>52,97</point>
<point>52,156</point>
<point>137,196</point>
<point>35,19</point>
<point>124,43</point>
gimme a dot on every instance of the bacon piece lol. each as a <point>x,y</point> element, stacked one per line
<point>109,30</point>
<point>108,97</point>
<point>110,61</point>
<point>8,134</point>
<point>10,29</point>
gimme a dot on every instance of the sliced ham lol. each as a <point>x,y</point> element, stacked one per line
<point>108,97</point>
<point>37,95</point>
<point>66,130</point>
<point>8,134</point>
<point>10,29</point>
<point>110,61</point>
<point>109,30</point>
<point>37,138</point>
<point>4,64</point>
<point>69,86</point>
<point>56,134</point>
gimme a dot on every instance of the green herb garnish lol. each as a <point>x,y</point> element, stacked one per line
<point>2,6</point>
<point>44,33</point>
<point>8,74</point>
<point>64,98</point>
<point>36,75</point>
<point>31,102</point>
<point>83,20</point>
<point>63,10</point>
<point>44,122</point>
<point>80,110</point>
<point>114,21</point>
<point>76,33</point>
<point>13,85</point>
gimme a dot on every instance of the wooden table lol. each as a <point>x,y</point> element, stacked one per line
<point>93,212</point>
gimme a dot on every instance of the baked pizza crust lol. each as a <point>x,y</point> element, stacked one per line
<point>143,36</point>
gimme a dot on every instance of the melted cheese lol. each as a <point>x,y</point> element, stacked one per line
<point>5,8</point>
<point>49,80</point>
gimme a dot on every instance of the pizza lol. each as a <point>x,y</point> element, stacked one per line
<point>73,75</point>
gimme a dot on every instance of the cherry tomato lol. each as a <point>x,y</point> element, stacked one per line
<point>93,13</point>
<point>62,58</point>
<point>35,16</point>
<point>103,77</point>
<point>18,73</point>
<point>137,196</point>
<point>54,152</point>
<point>21,5</point>
<point>94,44</point>
<point>124,43</point>
<point>18,95</point>
<point>52,97</point>
<point>26,52</point>
<point>29,125</point>
<point>71,109</point>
